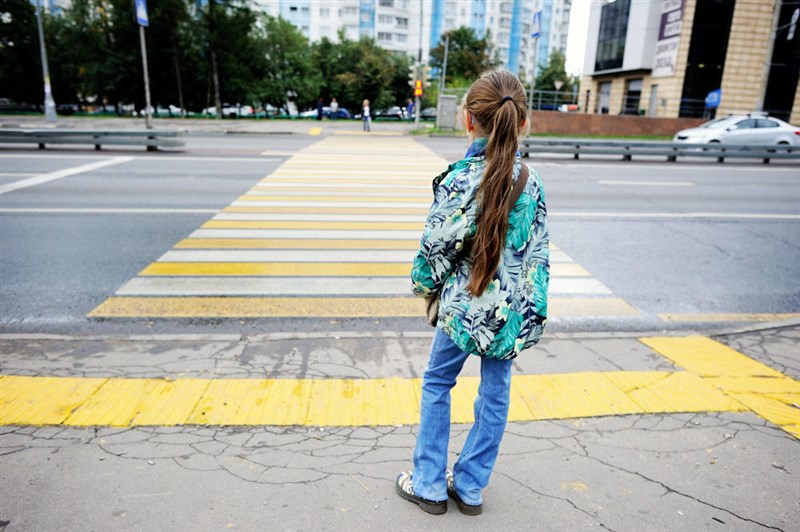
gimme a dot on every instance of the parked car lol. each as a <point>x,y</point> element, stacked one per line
<point>393,112</point>
<point>429,113</point>
<point>68,108</point>
<point>753,129</point>
<point>341,113</point>
<point>230,111</point>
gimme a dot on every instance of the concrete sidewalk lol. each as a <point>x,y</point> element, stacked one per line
<point>568,470</point>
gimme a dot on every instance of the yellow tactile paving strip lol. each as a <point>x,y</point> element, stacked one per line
<point>717,379</point>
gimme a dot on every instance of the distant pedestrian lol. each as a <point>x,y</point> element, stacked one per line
<point>320,108</point>
<point>410,110</point>
<point>365,114</point>
<point>490,273</point>
<point>334,108</point>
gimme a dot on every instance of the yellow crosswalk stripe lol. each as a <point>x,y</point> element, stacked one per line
<point>250,224</point>
<point>366,200</point>
<point>288,243</point>
<point>321,307</point>
<point>326,210</point>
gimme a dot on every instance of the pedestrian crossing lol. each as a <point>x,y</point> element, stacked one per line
<point>331,233</point>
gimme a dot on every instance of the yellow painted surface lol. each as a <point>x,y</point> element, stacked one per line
<point>315,131</point>
<point>369,133</point>
<point>290,243</point>
<point>756,384</point>
<point>42,401</point>
<point>586,307</point>
<point>707,358</point>
<point>728,317</point>
<point>679,392</point>
<point>770,409</point>
<point>349,226</point>
<point>329,402</point>
<point>281,269</point>
<point>255,209</point>
<point>366,200</point>
<point>388,189</point>
<point>309,307</point>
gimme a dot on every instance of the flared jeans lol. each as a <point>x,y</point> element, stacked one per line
<point>476,461</point>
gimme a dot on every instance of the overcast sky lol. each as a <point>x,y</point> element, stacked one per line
<point>576,40</point>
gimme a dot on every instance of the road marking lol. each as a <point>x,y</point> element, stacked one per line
<point>260,202</point>
<point>760,388</point>
<point>648,183</point>
<point>307,269</point>
<point>315,131</point>
<point>330,209</point>
<point>163,157</point>
<point>700,317</point>
<point>58,174</point>
<point>16,174</point>
<point>268,194</point>
<point>370,133</point>
<point>698,215</point>
<point>313,286</point>
<point>305,234</point>
<point>320,217</point>
<point>14,210</point>
<point>391,226</point>
<point>303,255</point>
<point>286,243</point>
<point>353,192</point>
<point>323,307</point>
<point>327,185</point>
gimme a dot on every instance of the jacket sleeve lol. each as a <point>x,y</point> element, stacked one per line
<point>446,227</point>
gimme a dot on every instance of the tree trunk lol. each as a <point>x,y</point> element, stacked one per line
<point>214,67</point>
<point>176,61</point>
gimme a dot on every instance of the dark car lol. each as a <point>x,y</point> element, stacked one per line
<point>341,114</point>
<point>68,108</point>
<point>428,113</point>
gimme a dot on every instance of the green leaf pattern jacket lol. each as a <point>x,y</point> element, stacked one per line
<point>511,314</point>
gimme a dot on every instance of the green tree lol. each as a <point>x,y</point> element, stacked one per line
<point>284,65</point>
<point>20,64</point>
<point>555,70</point>
<point>468,56</point>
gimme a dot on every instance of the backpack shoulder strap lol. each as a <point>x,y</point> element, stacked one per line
<point>522,180</point>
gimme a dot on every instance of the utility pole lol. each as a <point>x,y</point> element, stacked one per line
<point>444,66</point>
<point>417,101</point>
<point>536,25</point>
<point>49,103</point>
<point>143,20</point>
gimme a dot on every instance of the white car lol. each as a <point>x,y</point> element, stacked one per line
<point>751,129</point>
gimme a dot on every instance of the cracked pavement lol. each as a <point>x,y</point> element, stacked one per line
<point>732,471</point>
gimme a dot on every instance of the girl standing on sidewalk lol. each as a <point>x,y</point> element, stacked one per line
<point>490,270</point>
<point>365,114</point>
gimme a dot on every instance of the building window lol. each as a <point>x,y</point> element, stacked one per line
<point>292,8</point>
<point>633,94</point>
<point>384,36</point>
<point>324,12</point>
<point>613,30</point>
<point>401,22</point>
<point>400,37</point>
<point>385,19</point>
<point>386,3</point>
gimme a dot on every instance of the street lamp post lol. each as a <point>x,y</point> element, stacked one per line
<point>558,83</point>
<point>49,103</point>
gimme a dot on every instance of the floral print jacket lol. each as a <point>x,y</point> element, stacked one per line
<point>511,314</point>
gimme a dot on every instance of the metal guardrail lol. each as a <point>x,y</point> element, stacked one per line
<point>670,150</point>
<point>151,139</point>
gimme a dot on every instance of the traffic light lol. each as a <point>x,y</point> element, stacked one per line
<point>426,76</point>
<point>412,75</point>
<point>418,87</point>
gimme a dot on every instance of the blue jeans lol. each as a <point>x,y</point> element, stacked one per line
<point>475,464</point>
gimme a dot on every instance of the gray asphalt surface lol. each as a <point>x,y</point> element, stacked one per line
<point>55,268</point>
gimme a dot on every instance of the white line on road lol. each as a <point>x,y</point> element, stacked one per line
<point>648,183</point>
<point>261,286</point>
<point>160,158</point>
<point>365,203</point>
<point>302,234</point>
<point>16,174</point>
<point>13,210</point>
<point>268,183</point>
<point>304,255</point>
<point>691,215</point>
<point>52,176</point>
<point>322,217</point>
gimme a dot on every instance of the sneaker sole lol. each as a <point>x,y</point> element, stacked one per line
<point>435,508</point>
<point>464,508</point>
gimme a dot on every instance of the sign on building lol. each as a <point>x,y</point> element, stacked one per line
<point>669,36</point>
<point>141,13</point>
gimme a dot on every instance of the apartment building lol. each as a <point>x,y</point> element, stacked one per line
<point>662,58</point>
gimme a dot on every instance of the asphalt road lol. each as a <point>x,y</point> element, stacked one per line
<point>668,238</point>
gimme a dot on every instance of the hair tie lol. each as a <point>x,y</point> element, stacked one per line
<point>505,99</point>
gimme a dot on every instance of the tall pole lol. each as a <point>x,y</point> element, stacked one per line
<point>148,110</point>
<point>533,72</point>
<point>444,66</point>
<point>419,67</point>
<point>49,103</point>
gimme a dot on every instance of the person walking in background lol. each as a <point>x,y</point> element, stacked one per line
<point>334,108</point>
<point>320,108</point>
<point>410,110</point>
<point>365,114</point>
<point>485,255</point>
